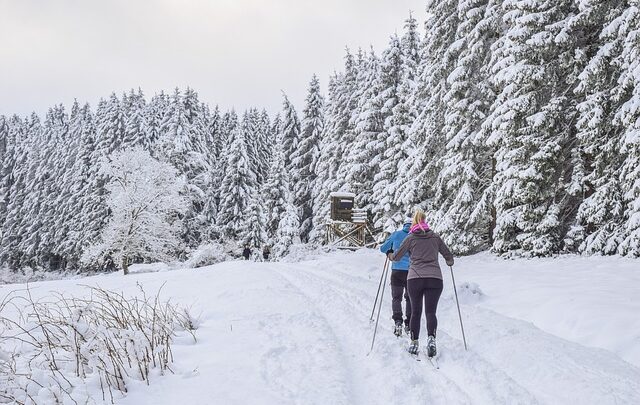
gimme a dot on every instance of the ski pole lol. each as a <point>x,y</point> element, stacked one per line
<point>379,285</point>
<point>458,305</point>
<point>375,330</point>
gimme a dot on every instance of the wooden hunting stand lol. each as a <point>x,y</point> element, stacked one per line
<point>347,228</point>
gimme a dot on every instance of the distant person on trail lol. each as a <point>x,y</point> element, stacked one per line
<point>246,253</point>
<point>399,271</point>
<point>424,281</point>
<point>265,253</point>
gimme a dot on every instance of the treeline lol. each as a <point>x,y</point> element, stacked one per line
<point>515,124</point>
<point>53,201</point>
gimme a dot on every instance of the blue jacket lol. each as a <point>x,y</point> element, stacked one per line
<point>393,242</point>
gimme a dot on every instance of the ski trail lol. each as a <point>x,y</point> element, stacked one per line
<point>388,374</point>
<point>510,361</point>
<point>474,381</point>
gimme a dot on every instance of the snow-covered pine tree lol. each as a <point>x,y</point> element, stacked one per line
<point>532,123</point>
<point>628,117</point>
<point>266,139</point>
<point>276,192</point>
<point>288,232</point>
<point>135,126</point>
<point>338,132</point>
<point>290,132</point>
<point>110,122</point>
<point>14,172</point>
<point>307,156</point>
<point>405,111</point>
<point>154,117</point>
<point>182,144</point>
<point>83,189</point>
<point>255,235</point>
<point>7,160</point>
<point>237,187</point>
<point>387,213</point>
<point>251,127</point>
<point>146,202</point>
<point>45,207</point>
<point>597,160</point>
<point>416,182</point>
<point>364,156</point>
<point>462,217</point>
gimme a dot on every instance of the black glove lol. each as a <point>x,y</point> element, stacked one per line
<point>450,262</point>
<point>390,254</point>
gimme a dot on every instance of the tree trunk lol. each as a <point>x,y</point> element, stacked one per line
<point>125,265</point>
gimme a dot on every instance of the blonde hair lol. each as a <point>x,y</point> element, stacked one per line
<point>418,217</point>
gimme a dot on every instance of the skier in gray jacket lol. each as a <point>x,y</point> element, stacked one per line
<point>424,281</point>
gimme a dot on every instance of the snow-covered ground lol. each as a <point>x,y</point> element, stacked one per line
<point>548,331</point>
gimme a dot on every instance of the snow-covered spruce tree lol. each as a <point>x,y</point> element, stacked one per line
<point>532,124</point>
<point>45,207</point>
<point>14,172</point>
<point>7,161</point>
<point>154,117</point>
<point>393,137</point>
<point>597,159</point>
<point>110,122</point>
<point>135,125</point>
<point>307,155</point>
<point>364,156</point>
<point>75,187</point>
<point>146,202</point>
<point>338,132</point>
<point>462,217</point>
<point>236,189</point>
<point>275,192</point>
<point>290,133</point>
<point>181,144</point>
<point>419,174</point>
<point>405,112</point>
<point>349,95</point>
<point>628,117</point>
<point>255,235</point>
<point>266,139</point>
<point>251,127</point>
<point>288,232</point>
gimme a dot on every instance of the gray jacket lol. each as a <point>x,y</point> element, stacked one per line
<point>423,248</point>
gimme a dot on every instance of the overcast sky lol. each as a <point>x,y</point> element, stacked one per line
<point>235,53</point>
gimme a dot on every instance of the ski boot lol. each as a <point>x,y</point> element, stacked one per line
<point>398,329</point>
<point>431,346</point>
<point>414,347</point>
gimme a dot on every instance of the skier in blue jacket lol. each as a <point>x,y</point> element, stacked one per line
<point>399,271</point>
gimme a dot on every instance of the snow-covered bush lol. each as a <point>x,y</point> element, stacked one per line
<point>64,350</point>
<point>468,293</point>
<point>28,275</point>
<point>302,252</point>
<point>207,254</point>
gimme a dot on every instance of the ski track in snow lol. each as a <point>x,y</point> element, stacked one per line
<point>299,333</point>
<point>476,381</point>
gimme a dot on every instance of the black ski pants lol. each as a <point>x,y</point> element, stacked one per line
<point>429,290</point>
<point>398,289</point>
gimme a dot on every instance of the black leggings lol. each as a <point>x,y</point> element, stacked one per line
<point>428,289</point>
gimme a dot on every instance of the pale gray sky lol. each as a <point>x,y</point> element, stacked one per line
<point>235,53</point>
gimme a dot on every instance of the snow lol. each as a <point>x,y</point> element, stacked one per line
<point>339,194</point>
<point>547,331</point>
